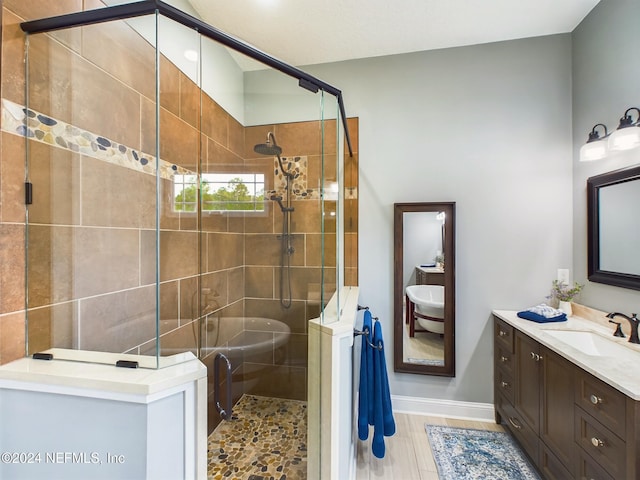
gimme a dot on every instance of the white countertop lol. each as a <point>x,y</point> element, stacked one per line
<point>97,371</point>
<point>621,372</point>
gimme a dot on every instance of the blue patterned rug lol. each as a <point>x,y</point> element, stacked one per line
<point>468,454</point>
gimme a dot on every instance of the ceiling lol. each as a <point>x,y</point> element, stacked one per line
<point>305,32</point>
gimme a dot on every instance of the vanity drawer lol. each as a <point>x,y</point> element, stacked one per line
<point>603,402</point>
<point>504,384</point>
<point>588,469</point>
<point>527,438</point>
<point>503,334</point>
<point>504,359</point>
<point>601,444</point>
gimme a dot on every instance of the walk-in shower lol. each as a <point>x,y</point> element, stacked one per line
<point>271,148</point>
<point>150,230</point>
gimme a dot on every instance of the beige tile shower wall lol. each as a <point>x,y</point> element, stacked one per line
<point>351,176</point>
<point>263,247</point>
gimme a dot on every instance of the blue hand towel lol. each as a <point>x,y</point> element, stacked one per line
<point>365,404</point>
<point>387,410</point>
<point>543,313</point>
<point>370,365</point>
<point>384,424</point>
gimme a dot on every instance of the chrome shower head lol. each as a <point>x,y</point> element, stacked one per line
<point>270,147</point>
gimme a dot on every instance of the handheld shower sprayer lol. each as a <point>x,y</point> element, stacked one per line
<point>271,148</point>
<point>278,199</point>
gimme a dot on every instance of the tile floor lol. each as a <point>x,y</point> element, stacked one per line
<point>266,439</point>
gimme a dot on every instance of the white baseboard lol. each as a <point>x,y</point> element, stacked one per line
<point>480,412</point>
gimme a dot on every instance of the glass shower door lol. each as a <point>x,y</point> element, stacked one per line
<point>89,125</point>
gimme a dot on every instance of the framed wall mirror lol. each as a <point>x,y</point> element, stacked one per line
<point>424,288</point>
<point>613,229</point>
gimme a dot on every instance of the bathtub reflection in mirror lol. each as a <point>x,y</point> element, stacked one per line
<point>424,288</point>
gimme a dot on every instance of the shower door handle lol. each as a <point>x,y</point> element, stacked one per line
<point>226,415</point>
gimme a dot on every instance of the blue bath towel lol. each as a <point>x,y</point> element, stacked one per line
<point>365,404</point>
<point>543,313</point>
<point>383,424</point>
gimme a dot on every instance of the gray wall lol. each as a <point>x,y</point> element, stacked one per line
<point>488,127</point>
<point>606,73</point>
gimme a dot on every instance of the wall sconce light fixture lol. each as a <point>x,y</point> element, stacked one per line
<point>627,136</point>
<point>596,146</point>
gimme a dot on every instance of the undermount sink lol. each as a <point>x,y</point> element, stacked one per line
<point>588,343</point>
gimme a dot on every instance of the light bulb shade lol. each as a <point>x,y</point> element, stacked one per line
<point>596,146</point>
<point>594,151</point>
<point>625,138</point>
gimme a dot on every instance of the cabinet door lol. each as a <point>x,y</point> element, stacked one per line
<point>556,417</point>
<point>527,381</point>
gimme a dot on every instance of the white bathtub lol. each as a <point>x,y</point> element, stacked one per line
<point>246,335</point>
<point>233,336</point>
<point>429,306</point>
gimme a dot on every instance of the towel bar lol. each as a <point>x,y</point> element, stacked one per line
<point>365,335</point>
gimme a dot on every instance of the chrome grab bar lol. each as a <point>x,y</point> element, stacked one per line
<point>226,415</point>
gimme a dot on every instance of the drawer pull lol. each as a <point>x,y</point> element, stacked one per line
<point>504,384</point>
<point>595,399</point>
<point>536,357</point>
<point>596,442</point>
<point>514,424</point>
<point>502,333</point>
<point>504,359</point>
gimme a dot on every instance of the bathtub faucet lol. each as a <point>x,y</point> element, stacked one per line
<point>633,321</point>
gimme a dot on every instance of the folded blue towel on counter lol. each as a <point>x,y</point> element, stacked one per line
<point>543,313</point>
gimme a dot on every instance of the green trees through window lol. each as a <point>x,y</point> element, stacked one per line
<point>219,192</point>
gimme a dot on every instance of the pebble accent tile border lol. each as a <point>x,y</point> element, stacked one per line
<point>18,120</point>
<point>266,439</point>
<point>299,188</point>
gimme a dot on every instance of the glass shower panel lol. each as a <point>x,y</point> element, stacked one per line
<point>261,237</point>
<point>179,57</point>
<point>331,223</point>
<point>90,123</point>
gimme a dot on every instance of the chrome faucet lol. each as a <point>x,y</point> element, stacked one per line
<point>633,321</point>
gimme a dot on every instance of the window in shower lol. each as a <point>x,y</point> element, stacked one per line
<point>220,192</point>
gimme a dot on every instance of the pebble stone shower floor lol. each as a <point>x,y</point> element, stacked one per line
<point>266,439</point>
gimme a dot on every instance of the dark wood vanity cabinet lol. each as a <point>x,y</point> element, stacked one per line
<point>569,423</point>
<point>429,278</point>
<point>540,411</point>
